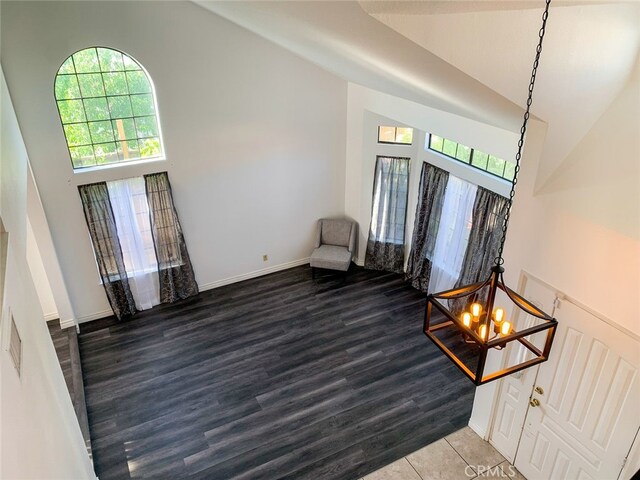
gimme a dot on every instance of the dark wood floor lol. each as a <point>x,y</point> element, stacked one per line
<point>276,377</point>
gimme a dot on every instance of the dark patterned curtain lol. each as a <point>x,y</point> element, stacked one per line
<point>385,247</point>
<point>175,273</point>
<point>433,182</point>
<point>489,210</point>
<point>104,236</point>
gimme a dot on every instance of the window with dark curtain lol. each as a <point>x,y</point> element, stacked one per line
<point>489,210</point>
<point>385,246</point>
<point>138,242</point>
<point>433,184</point>
<point>106,246</point>
<point>175,273</point>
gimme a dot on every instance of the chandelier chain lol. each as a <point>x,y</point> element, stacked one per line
<point>499,259</point>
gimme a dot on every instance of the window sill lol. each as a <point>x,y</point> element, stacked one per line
<point>398,144</point>
<point>110,166</point>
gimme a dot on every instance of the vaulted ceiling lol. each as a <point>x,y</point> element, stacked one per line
<point>590,50</point>
<point>342,38</point>
<point>471,58</point>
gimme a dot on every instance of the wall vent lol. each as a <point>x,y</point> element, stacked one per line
<point>15,346</point>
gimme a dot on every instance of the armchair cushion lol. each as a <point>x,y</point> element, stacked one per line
<point>332,257</point>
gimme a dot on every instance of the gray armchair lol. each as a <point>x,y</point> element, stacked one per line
<point>335,244</point>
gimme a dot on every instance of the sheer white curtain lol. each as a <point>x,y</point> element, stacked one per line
<point>131,212</point>
<point>453,234</point>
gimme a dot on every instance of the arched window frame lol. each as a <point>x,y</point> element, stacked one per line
<point>120,157</point>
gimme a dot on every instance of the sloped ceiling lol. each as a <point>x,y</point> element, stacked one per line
<point>342,38</point>
<point>471,58</point>
<point>590,49</point>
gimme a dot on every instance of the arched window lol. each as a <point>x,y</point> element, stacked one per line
<point>107,107</point>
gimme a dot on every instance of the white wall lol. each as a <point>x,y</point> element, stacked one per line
<point>50,275</point>
<point>599,181</point>
<point>39,434</point>
<point>39,276</point>
<point>254,136</point>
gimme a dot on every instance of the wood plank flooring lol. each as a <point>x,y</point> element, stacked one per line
<point>276,377</point>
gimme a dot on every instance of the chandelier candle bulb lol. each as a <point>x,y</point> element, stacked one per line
<point>476,309</point>
<point>483,332</point>
<point>506,328</point>
<point>466,319</point>
<point>498,315</point>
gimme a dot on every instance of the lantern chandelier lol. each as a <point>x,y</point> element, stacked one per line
<point>467,336</point>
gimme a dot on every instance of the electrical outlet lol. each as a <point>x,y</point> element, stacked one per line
<point>265,258</point>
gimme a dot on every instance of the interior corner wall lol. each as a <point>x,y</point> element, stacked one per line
<point>39,433</point>
<point>599,181</point>
<point>367,109</point>
<point>254,136</point>
<point>39,276</point>
<point>50,272</point>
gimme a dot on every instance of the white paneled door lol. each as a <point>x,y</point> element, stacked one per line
<point>515,389</point>
<point>584,413</point>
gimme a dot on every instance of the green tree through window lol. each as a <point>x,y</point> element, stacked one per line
<point>483,161</point>
<point>107,108</point>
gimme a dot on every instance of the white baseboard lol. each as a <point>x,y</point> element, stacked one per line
<point>254,274</point>
<point>95,316</point>
<point>480,431</point>
<point>68,323</point>
<point>50,316</point>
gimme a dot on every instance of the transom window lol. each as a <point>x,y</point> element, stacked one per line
<point>107,107</point>
<point>395,135</point>
<point>484,161</point>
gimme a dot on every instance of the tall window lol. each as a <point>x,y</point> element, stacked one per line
<point>390,199</point>
<point>107,107</point>
<point>475,158</point>
<point>385,246</point>
<point>452,238</point>
<point>131,213</point>
<point>138,243</point>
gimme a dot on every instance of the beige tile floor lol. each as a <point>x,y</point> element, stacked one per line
<point>463,455</point>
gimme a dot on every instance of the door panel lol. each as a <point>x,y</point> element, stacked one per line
<point>588,414</point>
<point>515,389</point>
